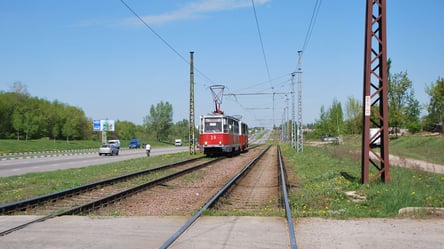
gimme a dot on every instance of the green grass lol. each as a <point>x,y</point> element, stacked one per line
<point>326,173</point>
<point>15,188</point>
<point>426,148</point>
<point>14,146</point>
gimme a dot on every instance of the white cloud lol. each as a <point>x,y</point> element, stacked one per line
<point>194,10</point>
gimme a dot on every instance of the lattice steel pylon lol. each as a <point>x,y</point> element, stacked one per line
<point>293,113</point>
<point>300,146</point>
<point>375,95</point>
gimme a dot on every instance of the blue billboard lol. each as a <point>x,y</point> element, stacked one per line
<point>103,125</point>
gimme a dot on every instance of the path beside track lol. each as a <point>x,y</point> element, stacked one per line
<point>75,232</point>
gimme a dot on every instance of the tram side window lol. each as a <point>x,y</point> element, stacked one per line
<point>213,125</point>
<point>236,127</point>
<point>226,126</point>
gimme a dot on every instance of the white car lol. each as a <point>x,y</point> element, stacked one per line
<point>115,142</point>
<point>108,149</point>
<point>178,142</point>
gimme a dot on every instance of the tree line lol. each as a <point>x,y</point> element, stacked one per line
<point>26,117</point>
<point>404,110</point>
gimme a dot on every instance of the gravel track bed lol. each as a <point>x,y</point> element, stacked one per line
<point>100,192</point>
<point>258,190</point>
<point>184,195</point>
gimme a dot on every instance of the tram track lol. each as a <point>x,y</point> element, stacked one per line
<point>98,194</point>
<point>197,188</point>
<point>258,185</point>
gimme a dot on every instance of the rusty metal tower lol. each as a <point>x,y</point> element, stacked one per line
<point>375,95</point>
<point>192,135</point>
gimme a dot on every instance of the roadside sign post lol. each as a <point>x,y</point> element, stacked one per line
<point>103,126</point>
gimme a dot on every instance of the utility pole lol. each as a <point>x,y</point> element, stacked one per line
<point>375,94</point>
<point>300,147</point>
<point>293,113</point>
<point>191,121</point>
<point>287,121</point>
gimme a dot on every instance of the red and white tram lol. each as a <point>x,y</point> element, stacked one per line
<point>221,134</point>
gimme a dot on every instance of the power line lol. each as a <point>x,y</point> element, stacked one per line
<point>153,31</point>
<point>262,43</point>
<point>313,19</point>
<point>163,40</point>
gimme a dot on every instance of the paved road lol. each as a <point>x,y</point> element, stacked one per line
<point>40,164</point>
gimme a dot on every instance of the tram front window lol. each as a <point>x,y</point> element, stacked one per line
<point>213,125</point>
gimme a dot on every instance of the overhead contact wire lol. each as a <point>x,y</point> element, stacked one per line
<point>262,43</point>
<point>163,40</point>
<point>313,19</point>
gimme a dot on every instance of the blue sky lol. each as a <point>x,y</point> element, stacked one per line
<point>98,56</point>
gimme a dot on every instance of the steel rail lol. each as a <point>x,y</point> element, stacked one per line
<point>126,193</point>
<point>213,199</point>
<point>286,202</point>
<point>112,198</point>
<point>40,200</point>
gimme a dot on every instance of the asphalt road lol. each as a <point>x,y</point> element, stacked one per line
<point>21,166</point>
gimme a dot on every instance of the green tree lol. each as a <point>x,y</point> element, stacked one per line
<point>159,120</point>
<point>331,122</point>
<point>36,118</point>
<point>125,130</point>
<point>401,99</point>
<point>336,117</point>
<point>321,125</point>
<point>181,129</point>
<point>353,116</point>
<point>413,121</point>
<point>75,125</point>
<point>436,104</point>
<point>18,120</point>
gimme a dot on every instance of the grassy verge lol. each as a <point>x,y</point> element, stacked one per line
<point>22,187</point>
<point>426,148</point>
<point>13,146</point>
<point>326,173</point>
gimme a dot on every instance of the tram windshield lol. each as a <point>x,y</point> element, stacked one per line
<point>213,124</point>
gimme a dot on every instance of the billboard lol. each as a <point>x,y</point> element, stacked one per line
<point>103,125</point>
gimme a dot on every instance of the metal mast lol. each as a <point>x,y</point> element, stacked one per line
<point>375,99</point>
<point>192,134</point>
<point>300,132</point>
<point>293,113</point>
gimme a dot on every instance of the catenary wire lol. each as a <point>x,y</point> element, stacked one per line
<point>262,43</point>
<point>313,19</point>
<point>164,41</point>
